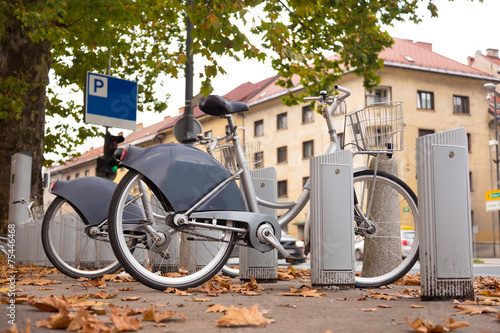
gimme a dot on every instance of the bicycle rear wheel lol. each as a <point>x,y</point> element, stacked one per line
<point>387,253</point>
<point>180,257</point>
<point>71,246</point>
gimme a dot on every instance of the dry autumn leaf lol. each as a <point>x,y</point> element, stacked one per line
<point>62,319</point>
<point>131,298</point>
<point>305,291</point>
<point>49,303</point>
<point>217,308</point>
<point>152,315</point>
<point>427,326</point>
<point>235,317</point>
<point>369,309</point>
<point>473,310</point>
<point>104,295</point>
<point>415,306</point>
<point>125,323</point>
<point>37,282</point>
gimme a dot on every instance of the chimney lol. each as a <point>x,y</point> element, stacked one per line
<point>139,126</point>
<point>492,52</point>
<point>425,45</point>
<point>470,61</point>
<point>181,110</point>
<point>167,117</point>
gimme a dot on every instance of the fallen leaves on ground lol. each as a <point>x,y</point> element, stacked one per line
<point>152,315</point>
<point>236,317</point>
<point>410,280</point>
<point>104,295</point>
<point>37,282</point>
<point>427,326</point>
<point>305,291</point>
<point>473,310</point>
<point>49,303</point>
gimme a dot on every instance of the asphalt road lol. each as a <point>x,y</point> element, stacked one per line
<point>355,310</point>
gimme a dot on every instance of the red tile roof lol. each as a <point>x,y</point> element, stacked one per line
<point>406,52</point>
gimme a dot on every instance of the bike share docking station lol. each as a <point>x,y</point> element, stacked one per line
<point>263,267</point>
<point>444,216</point>
<point>331,230</point>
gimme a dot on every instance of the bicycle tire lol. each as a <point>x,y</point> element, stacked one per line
<point>77,254</point>
<point>405,213</point>
<point>182,261</point>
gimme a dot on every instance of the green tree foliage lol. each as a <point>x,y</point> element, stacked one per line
<point>146,39</point>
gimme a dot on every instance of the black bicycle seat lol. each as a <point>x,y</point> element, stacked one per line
<point>215,105</point>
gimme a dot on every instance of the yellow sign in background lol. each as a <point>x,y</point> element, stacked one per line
<point>492,200</point>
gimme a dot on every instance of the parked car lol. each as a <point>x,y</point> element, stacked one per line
<point>407,237</point>
<point>293,245</point>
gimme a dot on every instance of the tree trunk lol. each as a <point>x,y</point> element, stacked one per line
<point>28,62</point>
<point>379,252</point>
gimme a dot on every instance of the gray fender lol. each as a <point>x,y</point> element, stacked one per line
<point>185,174</point>
<point>91,196</point>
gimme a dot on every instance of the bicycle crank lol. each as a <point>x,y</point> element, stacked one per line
<point>265,234</point>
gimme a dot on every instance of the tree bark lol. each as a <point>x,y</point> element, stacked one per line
<point>28,62</point>
<point>380,251</point>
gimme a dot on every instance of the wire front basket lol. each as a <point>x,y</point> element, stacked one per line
<point>225,154</point>
<point>378,127</point>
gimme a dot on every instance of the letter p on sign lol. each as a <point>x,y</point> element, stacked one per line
<point>98,86</point>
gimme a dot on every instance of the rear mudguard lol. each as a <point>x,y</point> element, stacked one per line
<point>185,174</point>
<point>91,196</point>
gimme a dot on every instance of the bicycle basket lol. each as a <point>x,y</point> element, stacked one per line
<point>378,127</point>
<point>253,155</point>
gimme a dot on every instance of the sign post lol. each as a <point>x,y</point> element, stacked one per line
<point>110,101</point>
<point>492,200</point>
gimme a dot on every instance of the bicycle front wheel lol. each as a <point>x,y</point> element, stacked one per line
<point>165,255</point>
<point>72,247</point>
<point>387,251</point>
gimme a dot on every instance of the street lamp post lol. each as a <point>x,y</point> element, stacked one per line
<point>492,87</point>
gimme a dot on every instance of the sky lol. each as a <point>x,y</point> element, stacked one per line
<point>462,28</point>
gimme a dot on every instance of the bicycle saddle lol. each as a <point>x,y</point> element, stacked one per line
<point>215,105</point>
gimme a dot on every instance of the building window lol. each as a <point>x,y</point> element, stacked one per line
<point>461,104</point>
<point>308,149</point>
<point>470,181</point>
<point>77,175</point>
<point>87,173</point>
<point>259,159</point>
<point>307,114</point>
<point>281,121</point>
<point>425,100</point>
<point>282,155</point>
<point>258,128</point>
<point>468,142</point>
<point>304,181</point>
<point>68,177</point>
<point>378,95</point>
<point>282,188</point>
<point>208,134</point>
<point>423,132</point>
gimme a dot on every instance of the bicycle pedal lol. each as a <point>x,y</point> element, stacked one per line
<point>296,260</point>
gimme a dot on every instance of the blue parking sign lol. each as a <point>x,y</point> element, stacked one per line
<point>110,101</point>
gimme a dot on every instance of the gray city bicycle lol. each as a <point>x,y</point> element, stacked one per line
<point>193,213</point>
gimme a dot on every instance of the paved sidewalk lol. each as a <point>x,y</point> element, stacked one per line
<point>357,310</point>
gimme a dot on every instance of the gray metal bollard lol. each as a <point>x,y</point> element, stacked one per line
<point>332,231</point>
<point>20,188</point>
<point>263,267</point>
<point>444,216</point>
